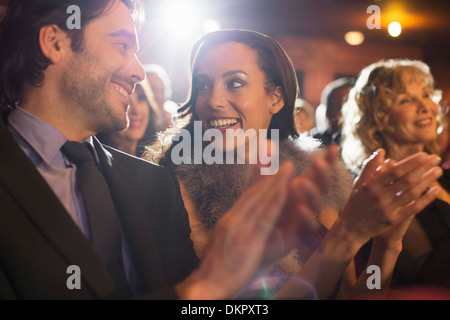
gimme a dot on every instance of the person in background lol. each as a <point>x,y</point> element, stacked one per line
<point>141,128</point>
<point>394,106</point>
<point>444,141</point>
<point>304,116</point>
<point>3,6</point>
<point>161,87</point>
<point>333,96</point>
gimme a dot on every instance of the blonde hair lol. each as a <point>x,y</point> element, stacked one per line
<point>370,101</point>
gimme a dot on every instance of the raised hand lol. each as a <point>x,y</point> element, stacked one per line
<point>238,244</point>
<point>305,197</point>
<point>388,195</point>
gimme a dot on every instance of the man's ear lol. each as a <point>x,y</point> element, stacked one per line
<point>54,42</point>
<point>277,101</point>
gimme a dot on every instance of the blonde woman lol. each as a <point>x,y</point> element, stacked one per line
<point>394,106</point>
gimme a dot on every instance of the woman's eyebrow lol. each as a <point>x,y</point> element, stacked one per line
<point>224,75</point>
<point>232,72</point>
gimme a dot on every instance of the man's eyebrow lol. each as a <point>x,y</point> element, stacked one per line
<point>130,36</point>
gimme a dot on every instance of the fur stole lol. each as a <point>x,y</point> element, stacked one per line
<point>215,188</point>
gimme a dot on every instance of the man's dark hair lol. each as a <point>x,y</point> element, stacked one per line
<point>21,58</point>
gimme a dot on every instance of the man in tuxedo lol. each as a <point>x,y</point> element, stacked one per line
<point>60,86</point>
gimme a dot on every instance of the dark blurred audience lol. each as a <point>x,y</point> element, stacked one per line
<point>305,119</point>
<point>444,141</point>
<point>161,87</point>
<point>333,96</point>
<point>3,7</point>
<point>394,106</point>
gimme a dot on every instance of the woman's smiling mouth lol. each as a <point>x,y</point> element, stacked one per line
<point>224,123</point>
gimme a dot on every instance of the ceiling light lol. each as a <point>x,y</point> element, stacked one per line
<point>394,29</point>
<point>354,38</point>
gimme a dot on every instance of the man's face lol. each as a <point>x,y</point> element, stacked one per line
<point>100,78</point>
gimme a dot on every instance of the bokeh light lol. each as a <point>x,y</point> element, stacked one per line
<point>394,29</point>
<point>211,25</point>
<point>354,38</point>
<point>174,16</point>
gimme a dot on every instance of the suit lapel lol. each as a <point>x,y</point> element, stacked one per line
<point>43,208</point>
<point>135,225</point>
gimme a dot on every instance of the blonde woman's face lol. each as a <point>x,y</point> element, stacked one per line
<point>413,115</point>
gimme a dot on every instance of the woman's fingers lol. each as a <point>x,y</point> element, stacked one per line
<point>411,185</point>
<point>421,203</point>
<point>390,195</point>
<point>370,167</point>
<point>402,168</point>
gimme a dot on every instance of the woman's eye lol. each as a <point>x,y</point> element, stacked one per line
<point>203,86</point>
<point>404,100</point>
<point>234,84</point>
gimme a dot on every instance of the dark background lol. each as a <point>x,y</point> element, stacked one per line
<point>425,26</point>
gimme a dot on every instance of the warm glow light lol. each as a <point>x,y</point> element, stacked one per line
<point>354,38</point>
<point>211,25</point>
<point>395,29</point>
<point>174,15</point>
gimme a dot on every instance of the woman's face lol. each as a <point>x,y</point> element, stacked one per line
<point>413,115</point>
<point>138,114</point>
<point>302,122</point>
<point>231,92</point>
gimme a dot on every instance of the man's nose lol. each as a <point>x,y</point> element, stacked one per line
<point>136,70</point>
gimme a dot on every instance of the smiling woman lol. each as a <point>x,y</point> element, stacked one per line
<point>394,106</point>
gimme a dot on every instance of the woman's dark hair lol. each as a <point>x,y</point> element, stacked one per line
<point>21,58</point>
<point>272,61</point>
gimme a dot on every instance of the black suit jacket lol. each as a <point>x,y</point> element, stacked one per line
<point>39,240</point>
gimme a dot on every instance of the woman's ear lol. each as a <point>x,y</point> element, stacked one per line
<point>53,42</point>
<point>277,100</point>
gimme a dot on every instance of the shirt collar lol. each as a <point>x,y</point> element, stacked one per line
<point>45,139</point>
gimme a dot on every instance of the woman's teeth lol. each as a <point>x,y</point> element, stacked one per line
<point>424,122</point>
<point>222,123</point>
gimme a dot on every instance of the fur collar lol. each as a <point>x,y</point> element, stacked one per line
<point>215,188</point>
